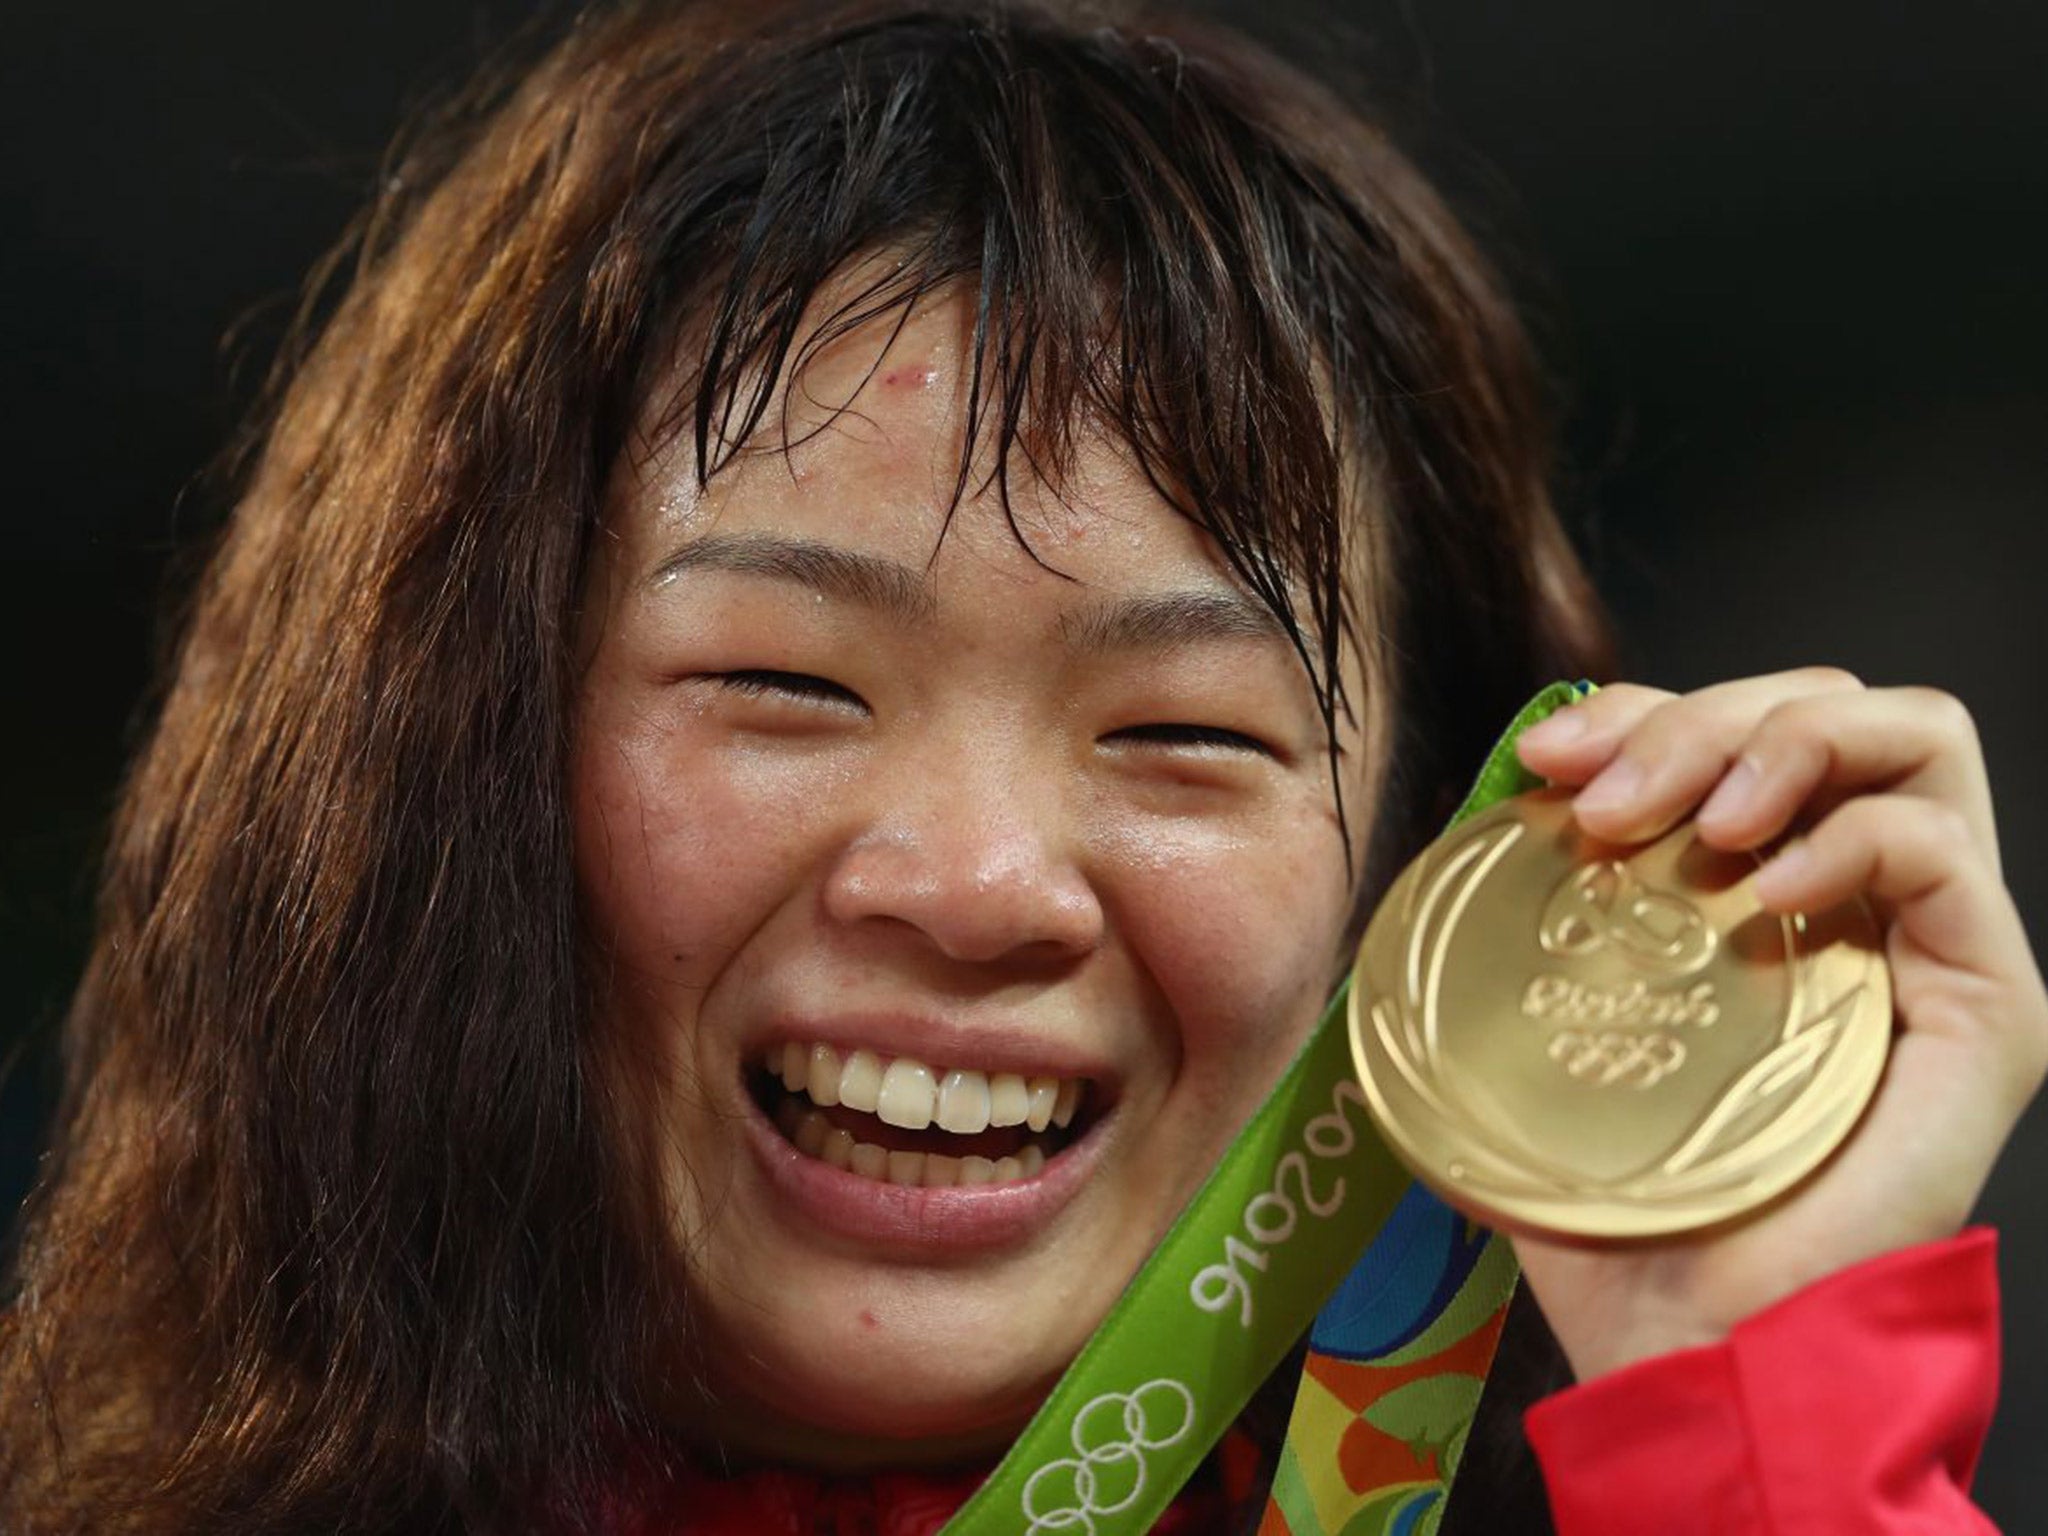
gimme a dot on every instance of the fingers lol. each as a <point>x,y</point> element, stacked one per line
<point>1577,741</point>
<point>1645,758</point>
<point>1913,856</point>
<point>1806,755</point>
<point>1917,861</point>
<point>1759,756</point>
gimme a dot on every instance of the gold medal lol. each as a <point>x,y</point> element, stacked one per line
<point>1574,1038</point>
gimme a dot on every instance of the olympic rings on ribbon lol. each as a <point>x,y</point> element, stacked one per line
<point>1111,1435</point>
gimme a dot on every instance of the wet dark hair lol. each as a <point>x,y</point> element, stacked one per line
<point>340,1230</point>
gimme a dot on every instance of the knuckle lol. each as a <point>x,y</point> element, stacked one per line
<point>2035,1066</point>
<point>1782,704</point>
<point>1898,823</point>
<point>2034,1061</point>
<point>1657,716</point>
<point>1947,825</point>
<point>1643,711</point>
<point>1624,701</point>
<point>1826,676</point>
<point>1933,825</point>
<point>2027,1048</point>
<point>1860,819</point>
<point>1800,721</point>
<point>1948,715</point>
<point>1635,693</point>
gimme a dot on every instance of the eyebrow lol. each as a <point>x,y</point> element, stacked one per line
<point>1151,621</point>
<point>1165,620</point>
<point>869,580</point>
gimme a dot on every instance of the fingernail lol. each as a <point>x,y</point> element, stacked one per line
<point>1614,786</point>
<point>1783,871</point>
<point>1732,795</point>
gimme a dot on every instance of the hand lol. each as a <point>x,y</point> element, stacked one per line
<point>1885,793</point>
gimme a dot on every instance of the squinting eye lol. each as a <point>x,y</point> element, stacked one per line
<point>1201,737</point>
<point>763,682</point>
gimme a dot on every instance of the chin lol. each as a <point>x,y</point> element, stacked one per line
<point>886,1391</point>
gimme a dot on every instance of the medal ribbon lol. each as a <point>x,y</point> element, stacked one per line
<point>1307,1207</point>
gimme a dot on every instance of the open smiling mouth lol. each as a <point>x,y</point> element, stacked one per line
<point>899,1121</point>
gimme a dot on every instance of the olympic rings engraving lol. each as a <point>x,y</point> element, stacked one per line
<point>1612,1057</point>
<point>1111,1436</point>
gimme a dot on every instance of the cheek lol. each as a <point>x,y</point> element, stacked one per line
<point>1240,931</point>
<point>683,850</point>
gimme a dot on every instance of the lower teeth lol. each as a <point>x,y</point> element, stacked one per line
<point>817,1137</point>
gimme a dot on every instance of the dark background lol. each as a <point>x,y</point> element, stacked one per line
<point>1787,261</point>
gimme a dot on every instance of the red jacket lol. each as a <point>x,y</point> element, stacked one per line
<point>1854,1408</point>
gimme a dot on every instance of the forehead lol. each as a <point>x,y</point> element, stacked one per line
<point>862,444</point>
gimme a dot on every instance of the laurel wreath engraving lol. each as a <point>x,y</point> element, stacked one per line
<point>1722,1153</point>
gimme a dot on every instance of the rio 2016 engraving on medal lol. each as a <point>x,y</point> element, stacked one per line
<point>1580,1039</point>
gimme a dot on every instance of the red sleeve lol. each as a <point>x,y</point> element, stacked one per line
<point>1857,1405</point>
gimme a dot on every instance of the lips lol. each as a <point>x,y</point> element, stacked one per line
<point>923,1190</point>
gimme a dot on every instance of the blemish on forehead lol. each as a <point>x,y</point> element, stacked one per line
<point>909,376</point>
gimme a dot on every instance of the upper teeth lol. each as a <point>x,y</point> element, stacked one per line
<point>909,1094</point>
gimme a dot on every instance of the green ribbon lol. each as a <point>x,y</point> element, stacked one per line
<point>1297,1199</point>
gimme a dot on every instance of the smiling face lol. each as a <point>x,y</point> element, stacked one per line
<point>959,909</point>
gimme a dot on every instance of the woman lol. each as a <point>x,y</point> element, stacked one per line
<point>879,551</point>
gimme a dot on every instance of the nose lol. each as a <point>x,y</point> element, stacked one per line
<point>976,858</point>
